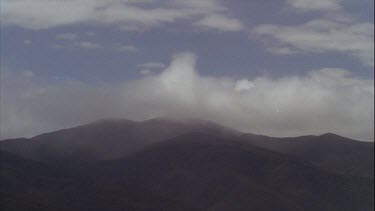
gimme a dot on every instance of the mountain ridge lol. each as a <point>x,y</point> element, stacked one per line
<point>108,139</point>
<point>196,171</point>
<point>195,165</point>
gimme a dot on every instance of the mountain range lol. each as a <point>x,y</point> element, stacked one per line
<point>163,164</point>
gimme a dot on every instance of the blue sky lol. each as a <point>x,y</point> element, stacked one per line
<point>122,42</point>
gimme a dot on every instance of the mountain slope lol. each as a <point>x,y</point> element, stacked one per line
<point>212,172</point>
<point>113,139</point>
<point>105,139</point>
<point>329,151</point>
<point>195,171</point>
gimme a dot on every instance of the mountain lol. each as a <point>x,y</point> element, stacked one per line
<point>105,139</point>
<point>329,151</point>
<point>115,138</point>
<point>193,171</point>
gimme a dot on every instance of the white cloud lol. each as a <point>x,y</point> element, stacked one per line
<point>92,45</point>
<point>356,39</point>
<point>326,100</point>
<point>243,85</point>
<point>39,14</point>
<point>315,5</point>
<point>42,14</point>
<point>220,22</point>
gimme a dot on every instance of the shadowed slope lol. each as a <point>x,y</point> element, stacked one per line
<point>105,139</point>
<point>329,151</point>
<point>195,171</point>
<point>115,138</point>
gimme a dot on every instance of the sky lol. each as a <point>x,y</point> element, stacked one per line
<point>276,67</point>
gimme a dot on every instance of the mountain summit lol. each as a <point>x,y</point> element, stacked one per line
<point>109,139</point>
<point>161,164</point>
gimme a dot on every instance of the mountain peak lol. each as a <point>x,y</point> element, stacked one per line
<point>111,120</point>
<point>330,135</point>
<point>195,122</point>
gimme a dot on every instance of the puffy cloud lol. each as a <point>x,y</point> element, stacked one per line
<point>326,100</point>
<point>243,85</point>
<point>42,14</point>
<point>356,39</point>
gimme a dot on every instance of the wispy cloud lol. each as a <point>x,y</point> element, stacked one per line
<point>146,72</point>
<point>73,40</point>
<point>152,65</point>
<point>57,46</point>
<point>356,39</point>
<point>90,34</point>
<point>220,22</point>
<point>333,31</point>
<point>66,36</point>
<point>126,48</point>
<point>87,45</point>
<point>123,13</point>
<point>325,100</point>
<point>27,42</point>
<point>315,5</point>
<point>282,50</point>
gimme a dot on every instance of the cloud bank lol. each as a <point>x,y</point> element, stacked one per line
<point>127,14</point>
<point>318,36</point>
<point>333,30</point>
<point>326,100</point>
<point>315,5</point>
